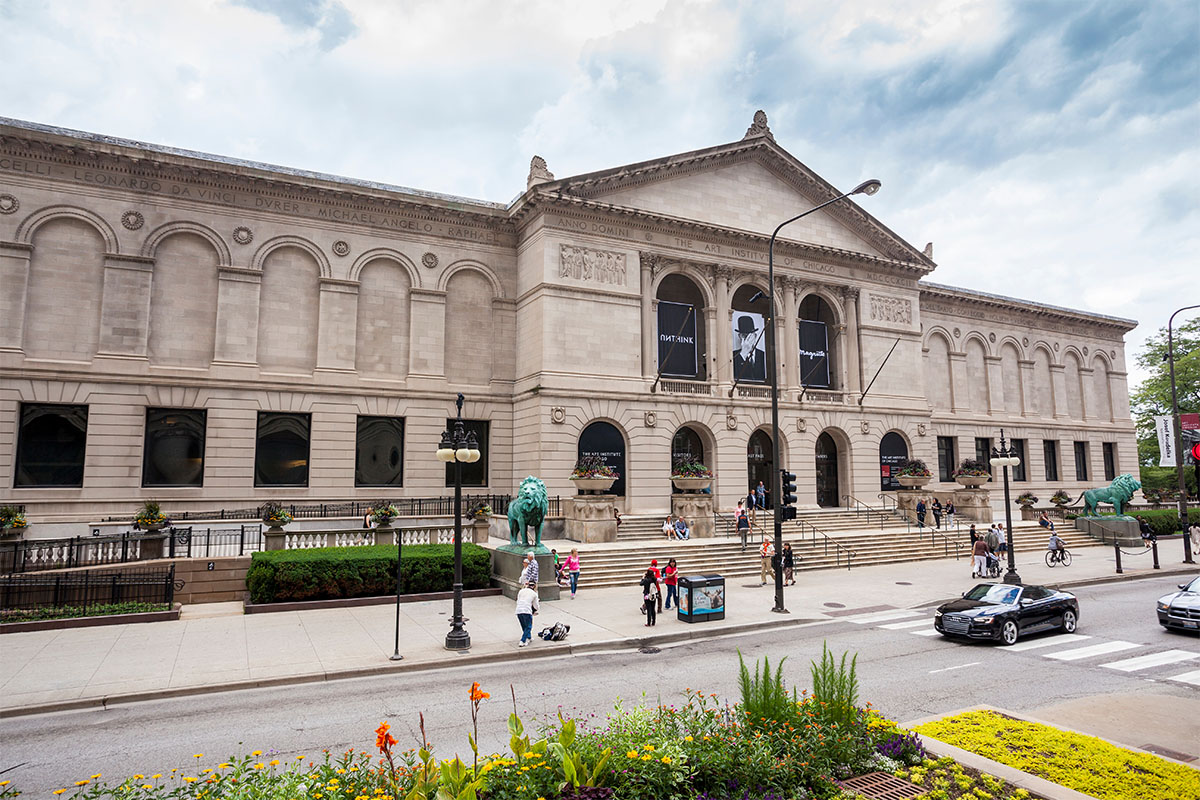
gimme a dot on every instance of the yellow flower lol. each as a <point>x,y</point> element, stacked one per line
<point>666,759</point>
<point>275,763</point>
<point>59,791</point>
<point>223,766</point>
<point>82,783</point>
<point>647,758</point>
<point>135,777</point>
<point>257,753</point>
<point>259,765</point>
<point>198,755</point>
<point>156,775</point>
<point>687,738</point>
<point>531,755</point>
<point>190,779</point>
<point>340,771</point>
<point>632,754</point>
<point>147,786</point>
<point>648,747</point>
<point>97,775</point>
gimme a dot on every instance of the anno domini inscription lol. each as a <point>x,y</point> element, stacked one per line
<point>242,199</point>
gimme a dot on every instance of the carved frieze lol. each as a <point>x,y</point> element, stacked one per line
<point>593,266</point>
<point>891,309</point>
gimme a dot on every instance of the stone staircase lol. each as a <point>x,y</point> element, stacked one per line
<point>877,541</point>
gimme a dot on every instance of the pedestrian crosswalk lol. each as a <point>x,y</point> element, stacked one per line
<point>1132,658</point>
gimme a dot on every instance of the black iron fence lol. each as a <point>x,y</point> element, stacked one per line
<point>191,542</point>
<point>33,555</point>
<point>406,506</point>
<point>87,588</point>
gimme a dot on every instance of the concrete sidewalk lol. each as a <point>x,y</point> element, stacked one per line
<point>216,647</point>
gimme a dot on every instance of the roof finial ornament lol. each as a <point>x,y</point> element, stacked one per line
<point>538,172</point>
<point>929,249</point>
<point>759,127</point>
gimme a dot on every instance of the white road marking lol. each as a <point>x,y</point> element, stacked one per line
<point>960,666</point>
<point>1152,660</point>
<point>1102,649</point>
<point>880,616</point>
<point>1188,677</point>
<point>912,623</point>
<point>930,632</point>
<point>1064,638</point>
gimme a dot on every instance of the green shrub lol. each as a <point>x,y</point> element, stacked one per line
<point>326,573</point>
<point>835,688</point>
<point>1164,521</point>
<point>70,612</point>
<point>764,697</point>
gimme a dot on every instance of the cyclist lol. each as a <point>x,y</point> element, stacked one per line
<point>1056,545</point>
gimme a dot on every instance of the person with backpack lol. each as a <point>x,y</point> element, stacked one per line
<point>671,581</point>
<point>527,606</point>
<point>650,596</point>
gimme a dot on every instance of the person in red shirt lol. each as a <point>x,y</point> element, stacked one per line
<point>657,580</point>
<point>671,581</point>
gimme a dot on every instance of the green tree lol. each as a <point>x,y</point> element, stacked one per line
<point>1152,397</point>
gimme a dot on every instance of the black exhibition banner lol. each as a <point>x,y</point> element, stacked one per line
<point>814,354</point>
<point>677,340</point>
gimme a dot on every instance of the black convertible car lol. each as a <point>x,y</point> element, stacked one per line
<point>1006,612</point>
<point>1181,609</point>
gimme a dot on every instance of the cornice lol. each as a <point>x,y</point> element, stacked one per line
<point>969,297</point>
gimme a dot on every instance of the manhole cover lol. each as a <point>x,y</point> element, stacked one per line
<point>881,786</point>
<point>649,650</point>
<point>903,583</point>
<point>835,605</point>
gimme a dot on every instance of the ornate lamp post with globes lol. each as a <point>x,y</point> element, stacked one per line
<point>1005,457</point>
<point>460,447</point>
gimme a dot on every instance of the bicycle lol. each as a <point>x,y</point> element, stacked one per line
<point>1054,557</point>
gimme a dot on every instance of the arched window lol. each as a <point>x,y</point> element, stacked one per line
<point>892,451</point>
<point>604,441</point>
<point>682,339</point>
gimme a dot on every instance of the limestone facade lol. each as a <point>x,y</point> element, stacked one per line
<point>140,277</point>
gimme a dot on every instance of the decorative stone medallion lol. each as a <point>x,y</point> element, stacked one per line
<point>957,333</point>
<point>1056,347</point>
<point>243,235</point>
<point>865,426</point>
<point>801,425</point>
<point>1112,353</point>
<point>992,338</point>
<point>731,422</point>
<point>1085,350</point>
<point>1025,341</point>
<point>921,429</point>
<point>133,220</point>
<point>650,419</point>
<point>429,260</point>
<point>341,248</point>
<point>558,415</point>
<point>9,204</point>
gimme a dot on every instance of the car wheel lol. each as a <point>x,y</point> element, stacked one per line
<point>1069,622</point>
<point>1008,632</point>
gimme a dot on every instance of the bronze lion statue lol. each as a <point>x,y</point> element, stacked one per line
<point>1118,494</point>
<point>528,509</point>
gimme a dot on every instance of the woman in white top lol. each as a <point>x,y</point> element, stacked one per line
<point>668,528</point>
<point>527,606</point>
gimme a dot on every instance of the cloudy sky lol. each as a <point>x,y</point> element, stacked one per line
<point>1049,150</point>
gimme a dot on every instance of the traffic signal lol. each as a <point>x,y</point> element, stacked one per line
<point>787,497</point>
<point>1196,452</point>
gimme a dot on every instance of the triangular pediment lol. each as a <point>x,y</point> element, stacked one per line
<point>751,185</point>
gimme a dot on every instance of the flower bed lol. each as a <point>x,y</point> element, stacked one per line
<point>946,779</point>
<point>1084,763</point>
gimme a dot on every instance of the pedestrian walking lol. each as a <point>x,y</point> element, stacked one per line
<point>559,577</point>
<point>974,536</point>
<point>527,606</point>
<point>992,540</point>
<point>949,512</point>
<point>751,507</point>
<point>571,567</point>
<point>1148,535</point>
<point>777,566</point>
<point>936,508</point>
<point>650,596</point>
<point>789,564</point>
<point>760,492</point>
<point>529,570</point>
<point>920,512</point>
<point>979,559</point>
<point>671,581</point>
<point>1003,548</point>
<point>743,522</point>
<point>765,554</point>
<point>1194,532</point>
<point>658,579</point>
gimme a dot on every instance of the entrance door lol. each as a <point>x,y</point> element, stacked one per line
<point>892,453</point>
<point>758,461</point>
<point>827,471</point>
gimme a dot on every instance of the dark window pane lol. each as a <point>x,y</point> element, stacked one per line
<point>1110,461</point>
<point>379,453</point>
<point>281,451</point>
<point>472,474</point>
<point>1018,448</point>
<point>1081,461</point>
<point>1050,454</point>
<point>173,454</point>
<point>51,445</point>
<point>946,459</point>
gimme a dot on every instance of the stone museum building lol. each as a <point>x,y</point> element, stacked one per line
<point>212,333</point>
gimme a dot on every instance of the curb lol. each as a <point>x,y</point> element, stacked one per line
<point>464,659</point>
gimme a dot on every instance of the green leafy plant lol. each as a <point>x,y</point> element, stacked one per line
<point>913,468</point>
<point>150,513</point>
<point>575,768</point>
<point>274,514</point>
<point>764,697</point>
<point>688,467</point>
<point>835,688</point>
<point>1060,498</point>
<point>972,468</point>
<point>12,517</point>
<point>69,612</point>
<point>384,512</point>
<point>480,511</point>
<point>593,467</point>
<point>1026,499</point>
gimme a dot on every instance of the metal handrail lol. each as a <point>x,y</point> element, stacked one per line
<point>861,508</point>
<point>839,548</point>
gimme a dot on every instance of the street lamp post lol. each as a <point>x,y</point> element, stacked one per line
<point>1006,457</point>
<point>395,656</point>
<point>1177,424</point>
<point>461,448</point>
<point>868,188</point>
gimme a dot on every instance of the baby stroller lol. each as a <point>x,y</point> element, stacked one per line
<point>993,566</point>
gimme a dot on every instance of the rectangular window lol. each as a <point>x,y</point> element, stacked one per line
<point>281,449</point>
<point>1110,461</point>
<point>983,450</point>
<point>173,452</point>
<point>379,452</point>
<point>946,463</point>
<point>51,443</point>
<point>1050,454</point>
<point>1081,461</point>
<point>472,474</point>
<point>1018,472</point>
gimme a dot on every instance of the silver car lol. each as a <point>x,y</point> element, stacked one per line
<point>1181,609</point>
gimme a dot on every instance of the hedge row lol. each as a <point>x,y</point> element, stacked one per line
<point>327,573</point>
<point>1165,521</point>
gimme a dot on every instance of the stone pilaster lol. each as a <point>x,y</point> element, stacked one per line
<point>853,342</point>
<point>724,340</point>
<point>791,334</point>
<point>14,277</point>
<point>238,291</point>
<point>427,339</point>
<point>338,324</point>
<point>1058,378</point>
<point>995,376</point>
<point>125,307</point>
<point>649,324</point>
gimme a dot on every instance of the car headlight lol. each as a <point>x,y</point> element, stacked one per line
<point>985,620</point>
<point>1163,606</point>
<point>937,614</point>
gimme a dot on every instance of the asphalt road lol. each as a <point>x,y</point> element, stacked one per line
<point>903,673</point>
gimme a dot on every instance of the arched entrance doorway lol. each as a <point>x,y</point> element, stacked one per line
<point>604,440</point>
<point>892,451</point>
<point>758,461</point>
<point>827,471</point>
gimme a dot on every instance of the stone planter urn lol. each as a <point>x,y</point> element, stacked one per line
<point>691,484</point>
<point>593,484</point>
<point>11,534</point>
<point>972,481</point>
<point>152,527</point>
<point>913,481</point>
<point>479,530</point>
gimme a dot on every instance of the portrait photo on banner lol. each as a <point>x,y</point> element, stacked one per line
<point>749,348</point>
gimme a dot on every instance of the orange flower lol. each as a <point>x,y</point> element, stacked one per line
<point>476,694</point>
<point>383,739</point>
